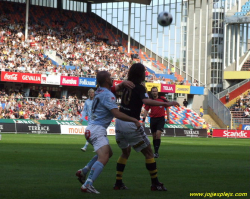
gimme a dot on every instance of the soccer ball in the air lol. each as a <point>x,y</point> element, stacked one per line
<point>164,18</point>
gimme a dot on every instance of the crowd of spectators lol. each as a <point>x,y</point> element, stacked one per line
<point>15,106</point>
<point>85,52</point>
<point>243,105</point>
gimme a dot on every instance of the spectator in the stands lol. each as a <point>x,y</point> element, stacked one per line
<point>185,103</point>
<point>195,83</point>
<point>204,125</point>
<point>237,108</point>
<point>227,97</point>
<point>201,111</point>
<point>246,113</point>
<point>172,70</point>
<point>47,95</point>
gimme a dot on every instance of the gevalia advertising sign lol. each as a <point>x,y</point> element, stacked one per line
<point>31,78</point>
<point>21,77</point>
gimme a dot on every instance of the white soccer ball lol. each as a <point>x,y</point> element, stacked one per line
<point>164,18</point>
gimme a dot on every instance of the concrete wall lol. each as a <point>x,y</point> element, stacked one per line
<point>216,118</point>
<point>198,101</point>
<point>196,40</point>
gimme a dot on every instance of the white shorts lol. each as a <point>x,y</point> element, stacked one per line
<point>96,135</point>
<point>127,135</point>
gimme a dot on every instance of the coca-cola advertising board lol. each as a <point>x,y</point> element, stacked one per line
<point>224,133</point>
<point>21,77</point>
<point>116,82</point>
<point>69,81</point>
<point>10,77</point>
<point>167,88</point>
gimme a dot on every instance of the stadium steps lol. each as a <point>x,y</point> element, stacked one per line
<point>210,120</point>
<point>246,66</point>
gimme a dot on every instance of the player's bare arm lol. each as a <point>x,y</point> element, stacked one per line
<point>124,117</point>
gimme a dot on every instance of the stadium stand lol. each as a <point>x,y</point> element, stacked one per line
<point>69,39</point>
<point>246,66</point>
<point>84,50</point>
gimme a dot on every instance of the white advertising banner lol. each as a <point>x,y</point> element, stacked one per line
<point>80,130</point>
<point>51,79</point>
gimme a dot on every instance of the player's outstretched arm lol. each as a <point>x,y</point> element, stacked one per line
<point>157,103</point>
<point>124,117</point>
<point>172,104</point>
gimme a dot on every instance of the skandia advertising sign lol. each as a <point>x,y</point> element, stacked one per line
<point>166,88</point>
<point>231,133</point>
<point>69,81</point>
<point>87,82</point>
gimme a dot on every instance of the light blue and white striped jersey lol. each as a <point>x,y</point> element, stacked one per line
<point>103,102</point>
<point>87,109</point>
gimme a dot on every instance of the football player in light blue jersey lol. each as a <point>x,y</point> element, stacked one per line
<point>87,112</point>
<point>104,108</point>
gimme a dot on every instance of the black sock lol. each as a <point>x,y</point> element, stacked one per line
<point>120,166</point>
<point>151,167</point>
<point>157,145</point>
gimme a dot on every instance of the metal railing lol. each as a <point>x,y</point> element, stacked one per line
<point>177,68</point>
<point>54,99</point>
<point>219,109</point>
<point>236,122</point>
<point>229,90</point>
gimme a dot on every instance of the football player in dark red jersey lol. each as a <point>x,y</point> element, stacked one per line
<point>157,119</point>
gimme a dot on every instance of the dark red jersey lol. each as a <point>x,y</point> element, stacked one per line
<point>157,111</point>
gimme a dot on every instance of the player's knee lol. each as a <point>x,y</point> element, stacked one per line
<point>126,153</point>
<point>147,152</point>
<point>158,134</point>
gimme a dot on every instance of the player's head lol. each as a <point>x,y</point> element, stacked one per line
<point>154,92</point>
<point>136,73</point>
<point>103,79</point>
<point>91,93</point>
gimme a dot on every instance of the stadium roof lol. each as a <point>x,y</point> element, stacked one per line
<point>145,2</point>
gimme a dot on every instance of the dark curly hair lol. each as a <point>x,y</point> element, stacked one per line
<point>136,73</point>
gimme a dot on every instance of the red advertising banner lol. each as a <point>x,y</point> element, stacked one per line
<point>167,88</point>
<point>231,133</point>
<point>21,77</point>
<point>31,78</point>
<point>10,77</point>
<point>69,81</point>
<point>115,82</point>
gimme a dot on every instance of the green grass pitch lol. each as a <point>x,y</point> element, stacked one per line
<point>43,167</point>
